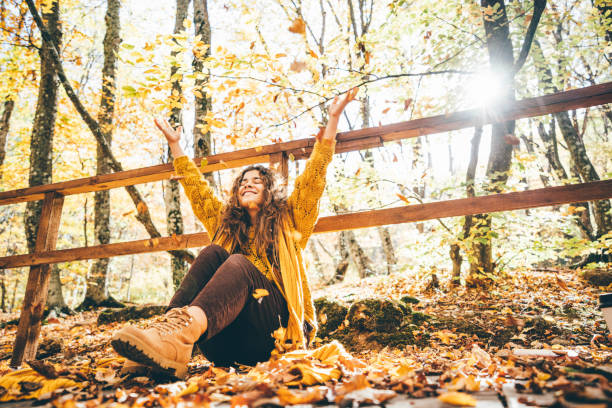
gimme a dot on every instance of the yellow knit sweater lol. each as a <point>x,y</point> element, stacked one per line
<point>304,208</point>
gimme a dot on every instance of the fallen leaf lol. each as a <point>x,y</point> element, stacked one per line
<point>458,398</point>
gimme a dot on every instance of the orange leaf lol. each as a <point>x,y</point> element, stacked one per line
<point>297,66</point>
<point>259,293</point>
<point>141,207</point>
<point>458,398</point>
<point>407,103</point>
<point>298,26</point>
<point>511,139</point>
<point>403,198</point>
<point>386,110</point>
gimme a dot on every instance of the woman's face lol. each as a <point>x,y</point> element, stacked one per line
<point>251,190</point>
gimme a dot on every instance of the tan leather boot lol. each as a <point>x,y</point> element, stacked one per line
<point>165,345</point>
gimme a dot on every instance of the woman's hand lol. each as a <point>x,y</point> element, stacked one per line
<point>335,110</point>
<point>173,136</point>
<point>339,103</point>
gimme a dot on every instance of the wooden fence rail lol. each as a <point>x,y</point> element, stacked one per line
<point>347,141</point>
<point>53,195</point>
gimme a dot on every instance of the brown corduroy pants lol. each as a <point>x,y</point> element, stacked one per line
<point>240,327</point>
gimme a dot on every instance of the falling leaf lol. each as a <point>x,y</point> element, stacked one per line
<point>259,293</point>
<point>403,198</point>
<point>511,139</point>
<point>407,103</point>
<point>458,398</point>
<point>141,207</point>
<point>298,26</point>
<point>297,66</point>
<point>385,110</point>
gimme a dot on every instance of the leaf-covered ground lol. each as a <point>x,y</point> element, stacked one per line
<point>540,331</point>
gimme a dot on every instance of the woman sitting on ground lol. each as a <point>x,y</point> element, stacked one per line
<point>257,238</point>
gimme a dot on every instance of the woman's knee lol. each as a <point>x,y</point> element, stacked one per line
<point>215,250</point>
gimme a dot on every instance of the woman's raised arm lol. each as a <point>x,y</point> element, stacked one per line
<point>205,204</point>
<point>309,186</point>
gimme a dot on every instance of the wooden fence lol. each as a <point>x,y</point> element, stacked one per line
<point>279,154</point>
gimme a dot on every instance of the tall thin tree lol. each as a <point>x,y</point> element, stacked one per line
<point>97,291</point>
<point>172,198</point>
<point>41,142</point>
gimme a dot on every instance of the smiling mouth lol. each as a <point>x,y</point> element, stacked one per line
<point>249,192</point>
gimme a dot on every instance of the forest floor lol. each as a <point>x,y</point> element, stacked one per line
<point>532,338</point>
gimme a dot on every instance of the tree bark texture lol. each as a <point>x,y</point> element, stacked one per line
<point>575,145</point>
<point>55,297</point>
<point>470,176</point>
<point>7,112</point>
<point>143,216</point>
<point>172,197</point>
<point>383,232</point>
<point>41,143</point>
<point>605,10</point>
<point>202,144</point>
<point>585,168</point>
<point>97,290</point>
<point>501,61</point>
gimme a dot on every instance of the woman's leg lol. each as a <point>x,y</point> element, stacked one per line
<point>200,272</point>
<point>240,327</point>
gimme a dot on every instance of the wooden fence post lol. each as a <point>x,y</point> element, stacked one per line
<point>280,163</point>
<point>35,297</point>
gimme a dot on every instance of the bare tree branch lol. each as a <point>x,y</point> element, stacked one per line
<point>538,9</point>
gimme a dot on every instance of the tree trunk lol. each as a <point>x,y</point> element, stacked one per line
<point>9,104</point>
<point>3,289</point>
<point>201,139</point>
<point>172,198</point>
<point>97,291</point>
<point>585,168</point>
<point>143,216</point>
<point>55,297</point>
<point>470,176</point>
<point>501,60</point>
<point>41,142</point>
<point>605,9</point>
<point>361,260</point>
<point>312,246</point>
<point>342,266</point>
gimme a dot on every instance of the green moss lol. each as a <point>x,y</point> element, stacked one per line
<point>410,300</point>
<point>130,313</point>
<point>376,315</point>
<point>330,316</point>
<point>419,317</point>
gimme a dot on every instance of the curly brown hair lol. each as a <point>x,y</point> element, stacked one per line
<point>235,221</point>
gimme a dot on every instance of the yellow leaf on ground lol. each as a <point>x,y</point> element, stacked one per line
<point>458,398</point>
<point>12,382</point>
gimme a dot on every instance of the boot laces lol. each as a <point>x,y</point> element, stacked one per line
<point>174,320</point>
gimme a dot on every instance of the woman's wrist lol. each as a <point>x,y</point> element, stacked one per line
<point>176,149</point>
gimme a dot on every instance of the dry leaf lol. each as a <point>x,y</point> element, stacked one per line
<point>298,26</point>
<point>511,139</point>
<point>259,293</point>
<point>141,207</point>
<point>297,66</point>
<point>403,198</point>
<point>458,398</point>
